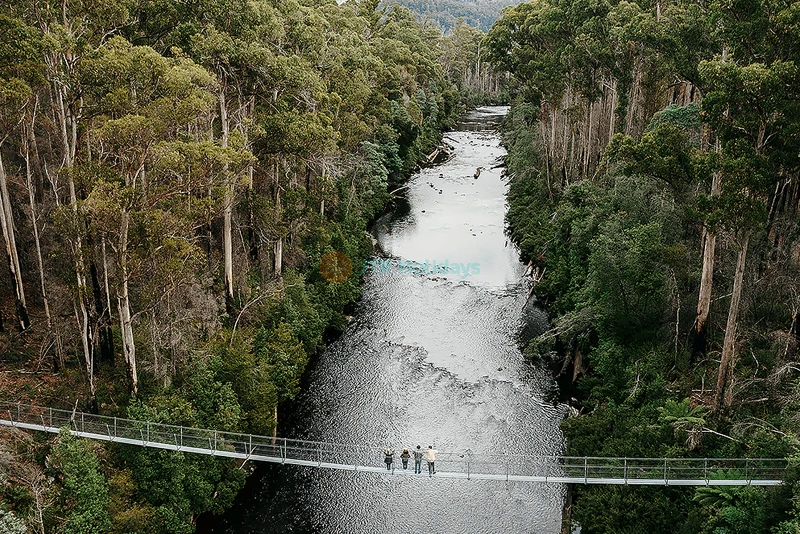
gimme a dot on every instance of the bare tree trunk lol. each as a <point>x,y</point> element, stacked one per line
<point>279,257</point>
<point>278,267</point>
<point>107,311</point>
<point>83,320</point>
<point>706,280</point>
<point>704,299</point>
<point>124,306</point>
<point>100,317</point>
<point>34,221</point>
<point>227,232</point>
<point>722,397</point>
<point>7,223</point>
<point>68,132</point>
<point>588,149</point>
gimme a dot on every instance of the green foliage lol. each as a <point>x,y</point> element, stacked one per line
<point>623,248</point>
<point>682,414</point>
<point>737,510</point>
<point>84,497</point>
<point>176,485</point>
<point>284,358</point>
<point>251,379</point>
<point>629,509</point>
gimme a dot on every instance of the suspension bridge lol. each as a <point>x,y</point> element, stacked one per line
<point>348,457</point>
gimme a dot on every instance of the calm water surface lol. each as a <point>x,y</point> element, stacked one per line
<point>430,358</point>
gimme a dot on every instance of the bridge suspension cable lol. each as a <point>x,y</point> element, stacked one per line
<point>466,465</point>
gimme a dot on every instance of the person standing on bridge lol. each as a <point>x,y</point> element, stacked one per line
<point>418,455</point>
<point>405,456</point>
<point>388,458</point>
<point>431,459</point>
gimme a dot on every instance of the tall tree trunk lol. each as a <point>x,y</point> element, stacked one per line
<point>278,266</point>
<point>704,299</point>
<point>722,397</point>
<point>82,318</point>
<point>706,280</point>
<point>29,183</point>
<point>7,223</point>
<point>101,316</point>
<point>107,311</point>
<point>32,152</point>
<point>227,231</point>
<point>279,257</point>
<point>124,306</point>
<point>68,128</point>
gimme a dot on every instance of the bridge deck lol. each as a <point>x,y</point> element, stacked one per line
<point>466,465</point>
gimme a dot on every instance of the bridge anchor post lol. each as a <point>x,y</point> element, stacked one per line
<point>585,470</point>
<point>625,471</point>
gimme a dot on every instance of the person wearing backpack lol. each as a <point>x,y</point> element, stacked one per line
<point>388,458</point>
<point>404,457</point>
<point>418,455</point>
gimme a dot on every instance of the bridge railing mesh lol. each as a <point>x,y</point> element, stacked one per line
<point>277,449</point>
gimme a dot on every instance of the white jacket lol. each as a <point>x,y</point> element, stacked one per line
<point>432,455</point>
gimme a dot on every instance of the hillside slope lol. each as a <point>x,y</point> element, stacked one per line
<point>477,13</point>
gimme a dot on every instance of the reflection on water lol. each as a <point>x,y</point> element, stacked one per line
<point>430,358</point>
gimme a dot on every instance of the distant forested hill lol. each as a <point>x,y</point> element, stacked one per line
<point>477,13</point>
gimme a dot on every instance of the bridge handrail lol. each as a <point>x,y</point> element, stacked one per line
<point>176,437</point>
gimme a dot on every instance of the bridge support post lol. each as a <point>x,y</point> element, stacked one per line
<point>705,470</point>
<point>666,482</point>
<point>746,471</point>
<point>585,470</point>
<point>625,471</point>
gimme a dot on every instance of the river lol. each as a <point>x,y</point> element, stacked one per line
<point>429,358</point>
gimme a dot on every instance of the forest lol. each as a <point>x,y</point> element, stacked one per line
<point>654,150</point>
<point>172,175</point>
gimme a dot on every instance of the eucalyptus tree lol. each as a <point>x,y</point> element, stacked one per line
<point>753,108</point>
<point>67,30</point>
<point>16,96</point>
<point>145,104</point>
